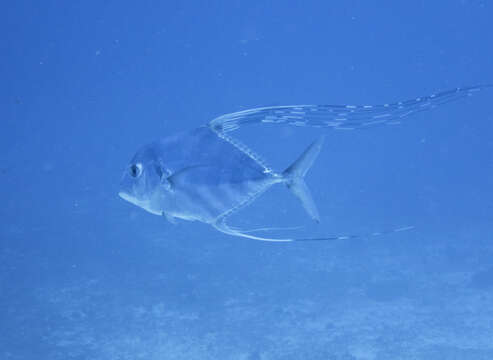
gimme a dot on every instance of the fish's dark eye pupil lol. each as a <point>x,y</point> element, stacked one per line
<point>134,170</point>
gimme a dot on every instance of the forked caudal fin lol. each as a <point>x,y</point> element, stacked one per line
<point>294,177</point>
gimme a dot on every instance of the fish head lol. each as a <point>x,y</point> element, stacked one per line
<point>142,181</point>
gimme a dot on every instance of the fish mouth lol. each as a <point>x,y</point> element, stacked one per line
<point>131,199</point>
<point>125,196</point>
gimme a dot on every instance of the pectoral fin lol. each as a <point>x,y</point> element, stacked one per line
<point>181,175</point>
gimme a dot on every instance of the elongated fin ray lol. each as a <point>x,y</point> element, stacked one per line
<point>339,117</point>
<point>223,227</point>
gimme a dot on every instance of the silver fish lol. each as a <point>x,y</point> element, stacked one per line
<point>206,175</point>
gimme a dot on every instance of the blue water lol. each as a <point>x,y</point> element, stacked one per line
<point>86,275</point>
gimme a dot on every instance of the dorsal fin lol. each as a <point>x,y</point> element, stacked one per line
<point>340,117</point>
<point>244,149</point>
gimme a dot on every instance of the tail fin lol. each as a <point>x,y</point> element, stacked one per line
<point>294,177</point>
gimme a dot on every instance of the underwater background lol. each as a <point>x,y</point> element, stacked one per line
<point>86,275</point>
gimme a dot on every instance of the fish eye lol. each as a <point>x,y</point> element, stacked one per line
<point>136,170</point>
